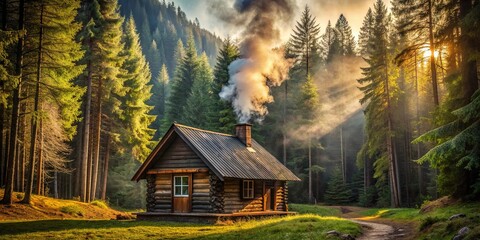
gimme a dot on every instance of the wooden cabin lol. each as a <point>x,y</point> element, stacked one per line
<point>203,172</point>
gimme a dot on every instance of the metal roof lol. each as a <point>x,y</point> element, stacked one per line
<point>228,157</point>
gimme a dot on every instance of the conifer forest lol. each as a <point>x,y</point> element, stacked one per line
<point>388,116</point>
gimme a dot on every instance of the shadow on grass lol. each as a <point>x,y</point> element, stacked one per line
<point>296,227</point>
<point>16,228</point>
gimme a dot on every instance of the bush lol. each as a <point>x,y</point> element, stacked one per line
<point>428,221</point>
<point>74,210</point>
<point>100,204</point>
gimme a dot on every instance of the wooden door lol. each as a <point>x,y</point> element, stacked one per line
<point>182,193</point>
<point>268,196</point>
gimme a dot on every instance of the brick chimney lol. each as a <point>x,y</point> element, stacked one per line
<point>244,132</point>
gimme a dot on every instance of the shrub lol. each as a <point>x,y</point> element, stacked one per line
<point>428,221</point>
<point>74,210</point>
<point>100,204</point>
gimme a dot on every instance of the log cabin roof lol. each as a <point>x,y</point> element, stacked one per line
<point>226,155</point>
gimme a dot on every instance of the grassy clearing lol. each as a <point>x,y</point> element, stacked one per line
<point>305,226</point>
<point>314,209</point>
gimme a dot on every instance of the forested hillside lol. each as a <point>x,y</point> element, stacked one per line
<point>389,117</point>
<point>164,29</point>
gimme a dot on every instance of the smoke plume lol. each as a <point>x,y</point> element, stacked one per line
<point>260,66</point>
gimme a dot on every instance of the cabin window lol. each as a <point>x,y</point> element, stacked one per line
<point>247,189</point>
<point>180,184</point>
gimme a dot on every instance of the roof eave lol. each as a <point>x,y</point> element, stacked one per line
<point>141,171</point>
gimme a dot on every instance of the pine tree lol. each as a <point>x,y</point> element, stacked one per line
<point>134,110</point>
<point>455,154</point>
<point>7,78</point>
<point>307,106</point>
<point>366,32</point>
<point>344,38</point>
<point>55,66</point>
<point>199,104</point>
<point>223,117</point>
<point>158,100</point>
<point>421,14</point>
<point>327,42</point>
<point>11,156</point>
<point>338,192</point>
<point>378,89</point>
<point>304,45</point>
<point>102,39</point>
<point>182,85</point>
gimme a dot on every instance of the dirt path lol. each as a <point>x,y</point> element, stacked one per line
<point>378,228</point>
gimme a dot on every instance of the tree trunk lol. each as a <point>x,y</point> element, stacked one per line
<point>433,68</point>
<point>7,198</point>
<point>35,116</point>
<point>284,134</point>
<point>342,158</point>
<point>393,164</point>
<point>86,134</point>
<point>105,168</point>
<point>21,148</point>
<point>55,184</point>
<point>3,160</point>
<point>310,195</point>
<point>78,162</point>
<point>40,170</point>
<point>96,157</point>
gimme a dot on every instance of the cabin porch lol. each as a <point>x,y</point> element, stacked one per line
<point>207,217</point>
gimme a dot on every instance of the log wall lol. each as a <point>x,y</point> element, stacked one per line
<point>281,196</point>
<point>233,200</point>
<point>163,193</point>
<point>201,193</point>
<point>178,155</point>
<point>159,197</point>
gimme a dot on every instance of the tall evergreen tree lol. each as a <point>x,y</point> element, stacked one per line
<point>158,100</point>
<point>378,89</point>
<point>56,56</point>
<point>304,43</point>
<point>456,154</point>
<point>223,115</point>
<point>308,105</point>
<point>182,85</point>
<point>366,32</point>
<point>327,42</point>
<point>199,104</point>
<point>344,37</point>
<point>134,110</point>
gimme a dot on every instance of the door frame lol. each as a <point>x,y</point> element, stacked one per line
<point>190,190</point>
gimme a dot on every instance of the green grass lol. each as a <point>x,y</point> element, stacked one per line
<point>73,210</point>
<point>435,224</point>
<point>314,209</point>
<point>305,226</point>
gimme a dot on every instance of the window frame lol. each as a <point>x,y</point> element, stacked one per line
<point>248,189</point>
<point>181,185</point>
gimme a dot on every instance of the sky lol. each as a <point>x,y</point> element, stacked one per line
<point>323,10</point>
